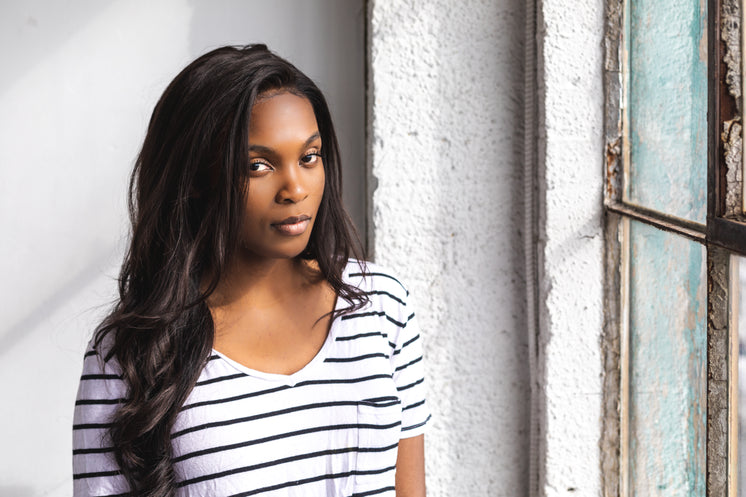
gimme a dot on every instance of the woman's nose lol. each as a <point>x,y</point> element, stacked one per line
<point>292,190</point>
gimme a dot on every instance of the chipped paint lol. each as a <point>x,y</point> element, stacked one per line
<point>666,130</point>
<point>717,371</point>
<point>730,34</point>
<point>667,358</point>
<point>663,414</point>
<point>613,71</point>
<point>667,111</point>
<point>613,153</point>
<point>611,345</point>
<point>731,138</point>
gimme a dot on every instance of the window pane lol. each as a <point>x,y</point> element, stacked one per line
<point>667,361</point>
<point>667,106</point>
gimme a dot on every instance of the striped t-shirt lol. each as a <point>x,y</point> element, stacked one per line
<point>330,429</point>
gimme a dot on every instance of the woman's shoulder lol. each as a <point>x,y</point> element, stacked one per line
<point>101,377</point>
<point>375,279</point>
<point>98,355</point>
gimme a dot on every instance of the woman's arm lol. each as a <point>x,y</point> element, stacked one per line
<point>410,467</point>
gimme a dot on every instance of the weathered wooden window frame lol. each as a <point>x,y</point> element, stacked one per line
<point>723,234</point>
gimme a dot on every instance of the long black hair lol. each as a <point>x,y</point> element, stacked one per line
<point>186,199</point>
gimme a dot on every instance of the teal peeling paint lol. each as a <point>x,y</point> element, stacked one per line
<point>667,100</point>
<point>667,130</point>
<point>696,335</point>
<point>668,351</point>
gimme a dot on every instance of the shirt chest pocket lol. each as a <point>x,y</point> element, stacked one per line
<point>379,428</point>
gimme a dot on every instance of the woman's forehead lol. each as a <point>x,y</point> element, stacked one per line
<point>281,117</point>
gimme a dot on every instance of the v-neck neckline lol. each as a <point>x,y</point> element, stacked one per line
<point>292,378</point>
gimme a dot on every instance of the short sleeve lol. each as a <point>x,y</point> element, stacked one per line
<point>409,371</point>
<point>100,392</point>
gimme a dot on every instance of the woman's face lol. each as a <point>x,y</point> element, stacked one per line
<point>286,177</point>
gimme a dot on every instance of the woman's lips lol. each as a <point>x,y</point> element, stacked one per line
<point>293,226</point>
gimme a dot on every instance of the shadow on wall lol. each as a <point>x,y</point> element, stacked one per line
<point>42,31</point>
<point>56,300</point>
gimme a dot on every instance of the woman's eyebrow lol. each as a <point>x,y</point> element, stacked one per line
<point>311,139</point>
<point>261,149</point>
<point>266,150</point>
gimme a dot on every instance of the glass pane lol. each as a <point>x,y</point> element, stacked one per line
<point>667,106</point>
<point>666,361</point>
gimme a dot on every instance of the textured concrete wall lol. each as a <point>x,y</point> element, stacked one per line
<point>446,104</point>
<point>570,61</point>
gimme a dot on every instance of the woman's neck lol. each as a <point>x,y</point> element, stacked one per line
<point>263,283</point>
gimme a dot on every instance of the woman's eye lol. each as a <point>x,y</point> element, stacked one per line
<point>310,159</point>
<point>258,167</point>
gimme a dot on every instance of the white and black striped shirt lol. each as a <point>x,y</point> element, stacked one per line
<point>330,429</point>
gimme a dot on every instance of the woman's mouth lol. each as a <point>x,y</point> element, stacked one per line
<point>293,226</point>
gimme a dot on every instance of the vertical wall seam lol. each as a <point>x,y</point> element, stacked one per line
<point>370,180</point>
<point>535,215</point>
<point>530,239</point>
<point>367,201</point>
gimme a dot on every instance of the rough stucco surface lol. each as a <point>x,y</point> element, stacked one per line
<point>446,105</point>
<point>571,273</point>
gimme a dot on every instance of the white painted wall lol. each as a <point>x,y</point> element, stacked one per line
<point>446,93</point>
<point>570,105</point>
<point>78,82</point>
<point>445,96</point>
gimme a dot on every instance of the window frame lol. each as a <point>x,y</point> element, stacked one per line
<point>723,234</point>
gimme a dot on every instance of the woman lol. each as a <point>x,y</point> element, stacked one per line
<point>249,353</point>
